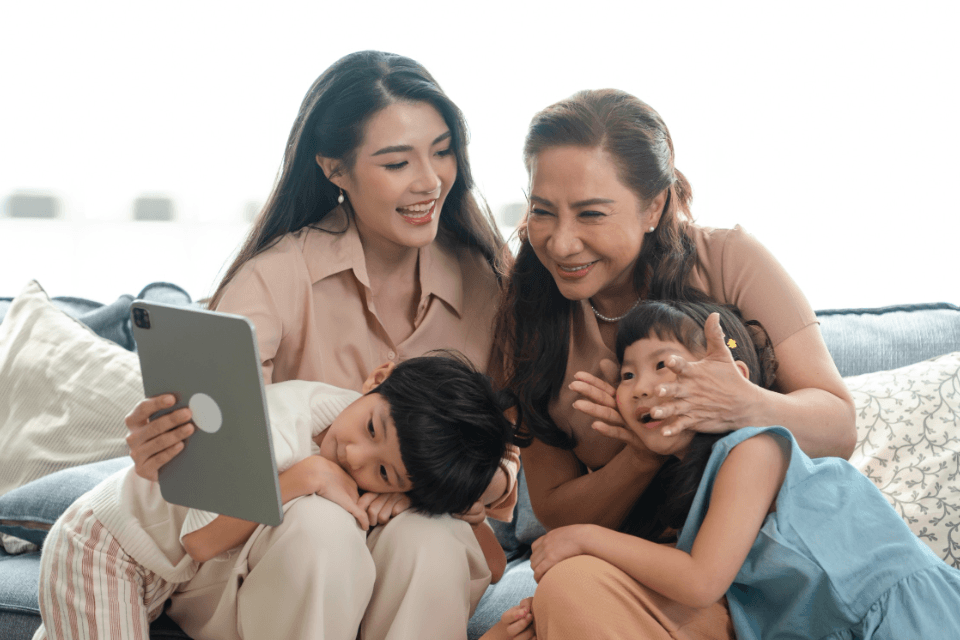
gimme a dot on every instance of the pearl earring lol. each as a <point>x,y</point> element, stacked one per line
<point>340,197</point>
<point>652,229</point>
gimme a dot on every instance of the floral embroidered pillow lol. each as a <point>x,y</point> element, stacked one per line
<point>908,444</point>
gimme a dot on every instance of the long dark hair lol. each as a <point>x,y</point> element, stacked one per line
<point>662,509</point>
<point>331,123</point>
<point>533,323</point>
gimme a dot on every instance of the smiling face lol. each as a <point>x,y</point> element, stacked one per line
<point>363,441</point>
<point>585,225</point>
<point>403,171</point>
<point>642,372</point>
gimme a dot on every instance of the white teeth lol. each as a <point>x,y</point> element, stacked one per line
<point>417,208</point>
<point>575,269</point>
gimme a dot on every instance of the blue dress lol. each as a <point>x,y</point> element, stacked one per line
<point>833,561</point>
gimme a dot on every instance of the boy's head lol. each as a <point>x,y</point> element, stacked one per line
<point>432,427</point>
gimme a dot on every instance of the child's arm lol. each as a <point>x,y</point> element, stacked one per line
<point>314,474</point>
<point>744,493</point>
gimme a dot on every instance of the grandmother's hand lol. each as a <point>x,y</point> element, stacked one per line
<point>599,401</point>
<point>709,395</point>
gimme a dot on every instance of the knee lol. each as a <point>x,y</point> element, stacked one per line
<point>316,537</point>
<point>568,583</point>
<point>435,539</point>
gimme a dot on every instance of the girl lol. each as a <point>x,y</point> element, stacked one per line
<point>372,247</point>
<point>800,548</point>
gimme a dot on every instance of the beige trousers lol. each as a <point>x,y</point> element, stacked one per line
<point>319,576</point>
<point>585,597</point>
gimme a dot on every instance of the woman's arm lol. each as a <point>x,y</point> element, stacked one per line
<point>561,494</point>
<point>743,494</point>
<point>311,475</point>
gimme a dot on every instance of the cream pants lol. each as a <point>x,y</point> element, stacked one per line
<point>318,575</point>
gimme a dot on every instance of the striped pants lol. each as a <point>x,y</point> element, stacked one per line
<point>90,588</point>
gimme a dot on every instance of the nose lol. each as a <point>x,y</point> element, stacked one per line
<point>428,182</point>
<point>353,455</point>
<point>565,239</point>
<point>642,386</point>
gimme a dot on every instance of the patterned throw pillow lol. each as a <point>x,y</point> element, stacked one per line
<point>908,432</point>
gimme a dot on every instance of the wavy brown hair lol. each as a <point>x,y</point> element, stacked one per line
<point>533,323</point>
<point>331,123</point>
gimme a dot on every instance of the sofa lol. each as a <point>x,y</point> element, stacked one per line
<point>901,363</point>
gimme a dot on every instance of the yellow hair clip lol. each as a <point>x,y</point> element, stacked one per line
<point>732,343</point>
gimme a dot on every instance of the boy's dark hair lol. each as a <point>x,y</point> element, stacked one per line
<point>451,427</point>
<point>662,509</point>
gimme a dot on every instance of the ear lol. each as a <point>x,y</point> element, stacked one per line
<point>331,169</point>
<point>742,368</point>
<point>377,376</point>
<point>655,209</point>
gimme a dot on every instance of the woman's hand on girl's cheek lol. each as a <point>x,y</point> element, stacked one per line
<point>381,507</point>
<point>556,546</point>
<point>519,621</point>
<point>709,395</point>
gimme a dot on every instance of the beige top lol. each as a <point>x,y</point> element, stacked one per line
<point>310,299</point>
<point>732,267</point>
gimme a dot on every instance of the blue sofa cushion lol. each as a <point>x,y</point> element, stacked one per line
<point>29,511</point>
<point>868,340</point>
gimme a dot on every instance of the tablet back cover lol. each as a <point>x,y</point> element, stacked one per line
<point>209,361</point>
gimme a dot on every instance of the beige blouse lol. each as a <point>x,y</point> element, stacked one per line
<point>309,297</point>
<point>732,267</point>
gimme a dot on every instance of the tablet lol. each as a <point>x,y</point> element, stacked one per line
<point>210,363</point>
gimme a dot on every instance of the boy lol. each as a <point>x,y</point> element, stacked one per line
<point>432,428</point>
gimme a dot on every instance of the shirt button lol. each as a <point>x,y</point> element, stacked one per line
<point>391,355</point>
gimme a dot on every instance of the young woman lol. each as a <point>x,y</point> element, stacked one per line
<point>609,225</point>
<point>801,548</point>
<point>372,248</point>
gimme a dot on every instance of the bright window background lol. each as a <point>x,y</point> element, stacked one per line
<point>827,129</point>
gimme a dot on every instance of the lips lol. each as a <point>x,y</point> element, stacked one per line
<point>575,271</point>
<point>643,417</point>
<point>418,213</point>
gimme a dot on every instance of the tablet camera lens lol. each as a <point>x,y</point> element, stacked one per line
<point>141,318</point>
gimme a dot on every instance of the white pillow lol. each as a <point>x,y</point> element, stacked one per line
<point>64,391</point>
<point>908,432</point>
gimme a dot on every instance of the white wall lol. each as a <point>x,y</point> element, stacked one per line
<point>827,129</point>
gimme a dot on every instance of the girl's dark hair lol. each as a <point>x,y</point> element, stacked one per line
<point>451,427</point>
<point>331,123</point>
<point>533,324</point>
<point>662,509</point>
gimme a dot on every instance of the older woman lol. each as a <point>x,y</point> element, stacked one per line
<point>609,224</point>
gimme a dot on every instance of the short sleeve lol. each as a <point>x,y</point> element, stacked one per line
<point>735,268</point>
<point>264,290</point>
<point>195,520</point>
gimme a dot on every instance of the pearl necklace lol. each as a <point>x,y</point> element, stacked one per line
<point>618,318</point>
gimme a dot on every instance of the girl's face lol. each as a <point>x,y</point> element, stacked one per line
<point>642,372</point>
<point>404,170</point>
<point>584,224</point>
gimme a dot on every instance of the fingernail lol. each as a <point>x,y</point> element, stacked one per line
<point>668,432</point>
<point>168,400</point>
<point>662,392</point>
<point>657,413</point>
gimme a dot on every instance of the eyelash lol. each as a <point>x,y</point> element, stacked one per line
<point>371,430</point>
<point>443,153</point>
<point>661,365</point>
<point>383,473</point>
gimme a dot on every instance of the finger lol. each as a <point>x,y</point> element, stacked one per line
<point>144,433</point>
<point>149,469</point>
<point>367,499</point>
<point>676,364</point>
<point>678,426</point>
<point>592,384</point>
<point>402,505</point>
<point>384,513</point>
<point>357,513</point>
<point>604,414</point>
<point>670,409</point>
<point>717,347</point>
<point>669,390</point>
<point>141,413</point>
<point>142,449</point>
<point>520,624</point>
<point>619,433</point>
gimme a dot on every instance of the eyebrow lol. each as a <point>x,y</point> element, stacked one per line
<point>406,147</point>
<point>574,205</point>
